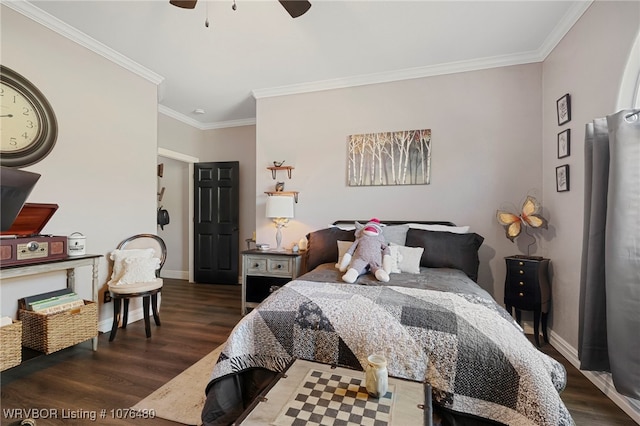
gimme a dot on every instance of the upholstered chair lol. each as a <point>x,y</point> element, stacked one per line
<point>136,273</point>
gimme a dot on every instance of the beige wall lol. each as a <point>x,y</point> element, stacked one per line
<point>486,153</point>
<point>102,170</point>
<point>588,64</point>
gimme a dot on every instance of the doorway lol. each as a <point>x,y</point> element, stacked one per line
<point>190,161</point>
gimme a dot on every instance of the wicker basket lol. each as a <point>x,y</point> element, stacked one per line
<point>10,345</point>
<point>52,332</point>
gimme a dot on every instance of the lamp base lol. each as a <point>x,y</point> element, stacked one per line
<point>279,226</point>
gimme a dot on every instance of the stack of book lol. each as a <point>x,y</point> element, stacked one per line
<point>52,302</point>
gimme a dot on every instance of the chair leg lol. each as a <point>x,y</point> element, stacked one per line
<point>147,322</point>
<point>116,315</point>
<point>125,316</point>
<point>154,307</point>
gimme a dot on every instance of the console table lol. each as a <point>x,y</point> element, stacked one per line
<point>70,263</point>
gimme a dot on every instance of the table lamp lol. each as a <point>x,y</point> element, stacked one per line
<point>280,210</point>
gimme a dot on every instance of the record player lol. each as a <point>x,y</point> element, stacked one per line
<point>22,244</point>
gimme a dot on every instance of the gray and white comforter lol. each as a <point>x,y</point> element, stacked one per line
<point>473,354</point>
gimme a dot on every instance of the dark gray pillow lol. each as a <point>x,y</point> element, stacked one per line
<point>322,246</point>
<point>447,250</point>
<point>396,234</point>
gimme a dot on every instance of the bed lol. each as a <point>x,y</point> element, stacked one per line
<point>432,321</point>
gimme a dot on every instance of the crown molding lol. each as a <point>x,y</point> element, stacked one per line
<point>40,16</point>
<point>566,23</point>
<point>230,123</point>
<point>204,126</point>
<point>399,75</point>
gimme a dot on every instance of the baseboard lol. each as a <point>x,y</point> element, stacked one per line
<point>176,275</point>
<point>601,380</point>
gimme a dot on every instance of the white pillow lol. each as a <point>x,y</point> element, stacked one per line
<point>395,258</point>
<point>119,256</point>
<point>407,258</point>
<point>139,270</point>
<point>343,246</point>
<point>344,226</point>
<point>445,228</point>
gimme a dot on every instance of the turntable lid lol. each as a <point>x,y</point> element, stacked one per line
<point>31,219</point>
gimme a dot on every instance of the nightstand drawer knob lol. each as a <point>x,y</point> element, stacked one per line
<point>521,294</point>
<point>521,283</point>
<point>520,263</point>
<point>279,266</point>
<point>521,272</point>
<point>255,265</point>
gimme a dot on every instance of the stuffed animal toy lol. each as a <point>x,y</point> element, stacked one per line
<point>369,252</point>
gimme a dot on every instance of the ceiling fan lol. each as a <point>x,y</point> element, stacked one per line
<point>295,8</point>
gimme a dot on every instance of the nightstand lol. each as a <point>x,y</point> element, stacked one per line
<point>526,288</point>
<point>264,271</point>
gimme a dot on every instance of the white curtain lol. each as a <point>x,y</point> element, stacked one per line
<point>609,335</point>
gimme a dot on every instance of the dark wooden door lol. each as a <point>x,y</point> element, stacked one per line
<point>216,222</point>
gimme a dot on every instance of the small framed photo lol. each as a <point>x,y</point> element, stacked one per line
<point>564,143</point>
<point>562,178</point>
<point>563,107</point>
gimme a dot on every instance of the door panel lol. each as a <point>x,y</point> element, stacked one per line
<point>216,226</point>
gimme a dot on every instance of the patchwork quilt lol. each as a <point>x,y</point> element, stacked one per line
<point>475,357</point>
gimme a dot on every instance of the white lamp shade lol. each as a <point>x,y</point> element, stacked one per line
<point>280,206</point>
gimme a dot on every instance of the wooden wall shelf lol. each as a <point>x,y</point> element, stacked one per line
<point>274,170</point>
<point>288,193</point>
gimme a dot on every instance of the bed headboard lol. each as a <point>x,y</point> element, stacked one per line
<point>394,222</point>
<point>445,244</point>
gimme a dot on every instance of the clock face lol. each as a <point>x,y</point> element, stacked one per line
<point>28,126</point>
<point>20,120</point>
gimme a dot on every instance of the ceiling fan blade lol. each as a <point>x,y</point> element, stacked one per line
<point>295,7</point>
<point>185,4</point>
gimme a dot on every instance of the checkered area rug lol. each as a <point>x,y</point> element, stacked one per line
<point>328,398</point>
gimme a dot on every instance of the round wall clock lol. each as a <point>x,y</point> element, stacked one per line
<point>29,126</point>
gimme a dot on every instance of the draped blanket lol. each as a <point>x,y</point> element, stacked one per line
<point>475,356</point>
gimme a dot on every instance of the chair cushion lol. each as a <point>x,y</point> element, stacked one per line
<point>138,270</point>
<point>136,287</point>
<point>119,258</point>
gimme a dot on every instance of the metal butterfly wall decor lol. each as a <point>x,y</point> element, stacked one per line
<point>530,216</point>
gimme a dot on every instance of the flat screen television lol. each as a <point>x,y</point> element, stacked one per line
<point>15,187</point>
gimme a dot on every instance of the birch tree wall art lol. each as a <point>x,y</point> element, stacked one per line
<point>389,158</point>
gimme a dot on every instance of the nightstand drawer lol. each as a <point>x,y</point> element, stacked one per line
<point>256,265</point>
<point>520,270</point>
<point>279,266</point>
<point>522,283</point>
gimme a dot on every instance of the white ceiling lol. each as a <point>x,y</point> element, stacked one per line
<point>259,50</point>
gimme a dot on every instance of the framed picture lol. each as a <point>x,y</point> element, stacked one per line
<point>562,178</point>
<point>389,158</point>
<point>564,143</point>
<point>563,107</point>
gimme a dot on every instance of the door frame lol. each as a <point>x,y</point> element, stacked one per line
<point>166,153</point>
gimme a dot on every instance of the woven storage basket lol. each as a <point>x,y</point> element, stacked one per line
<point>53,332</point>
<point>10,345</point>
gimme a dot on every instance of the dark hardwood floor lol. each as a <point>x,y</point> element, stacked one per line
<point>196,318</point>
